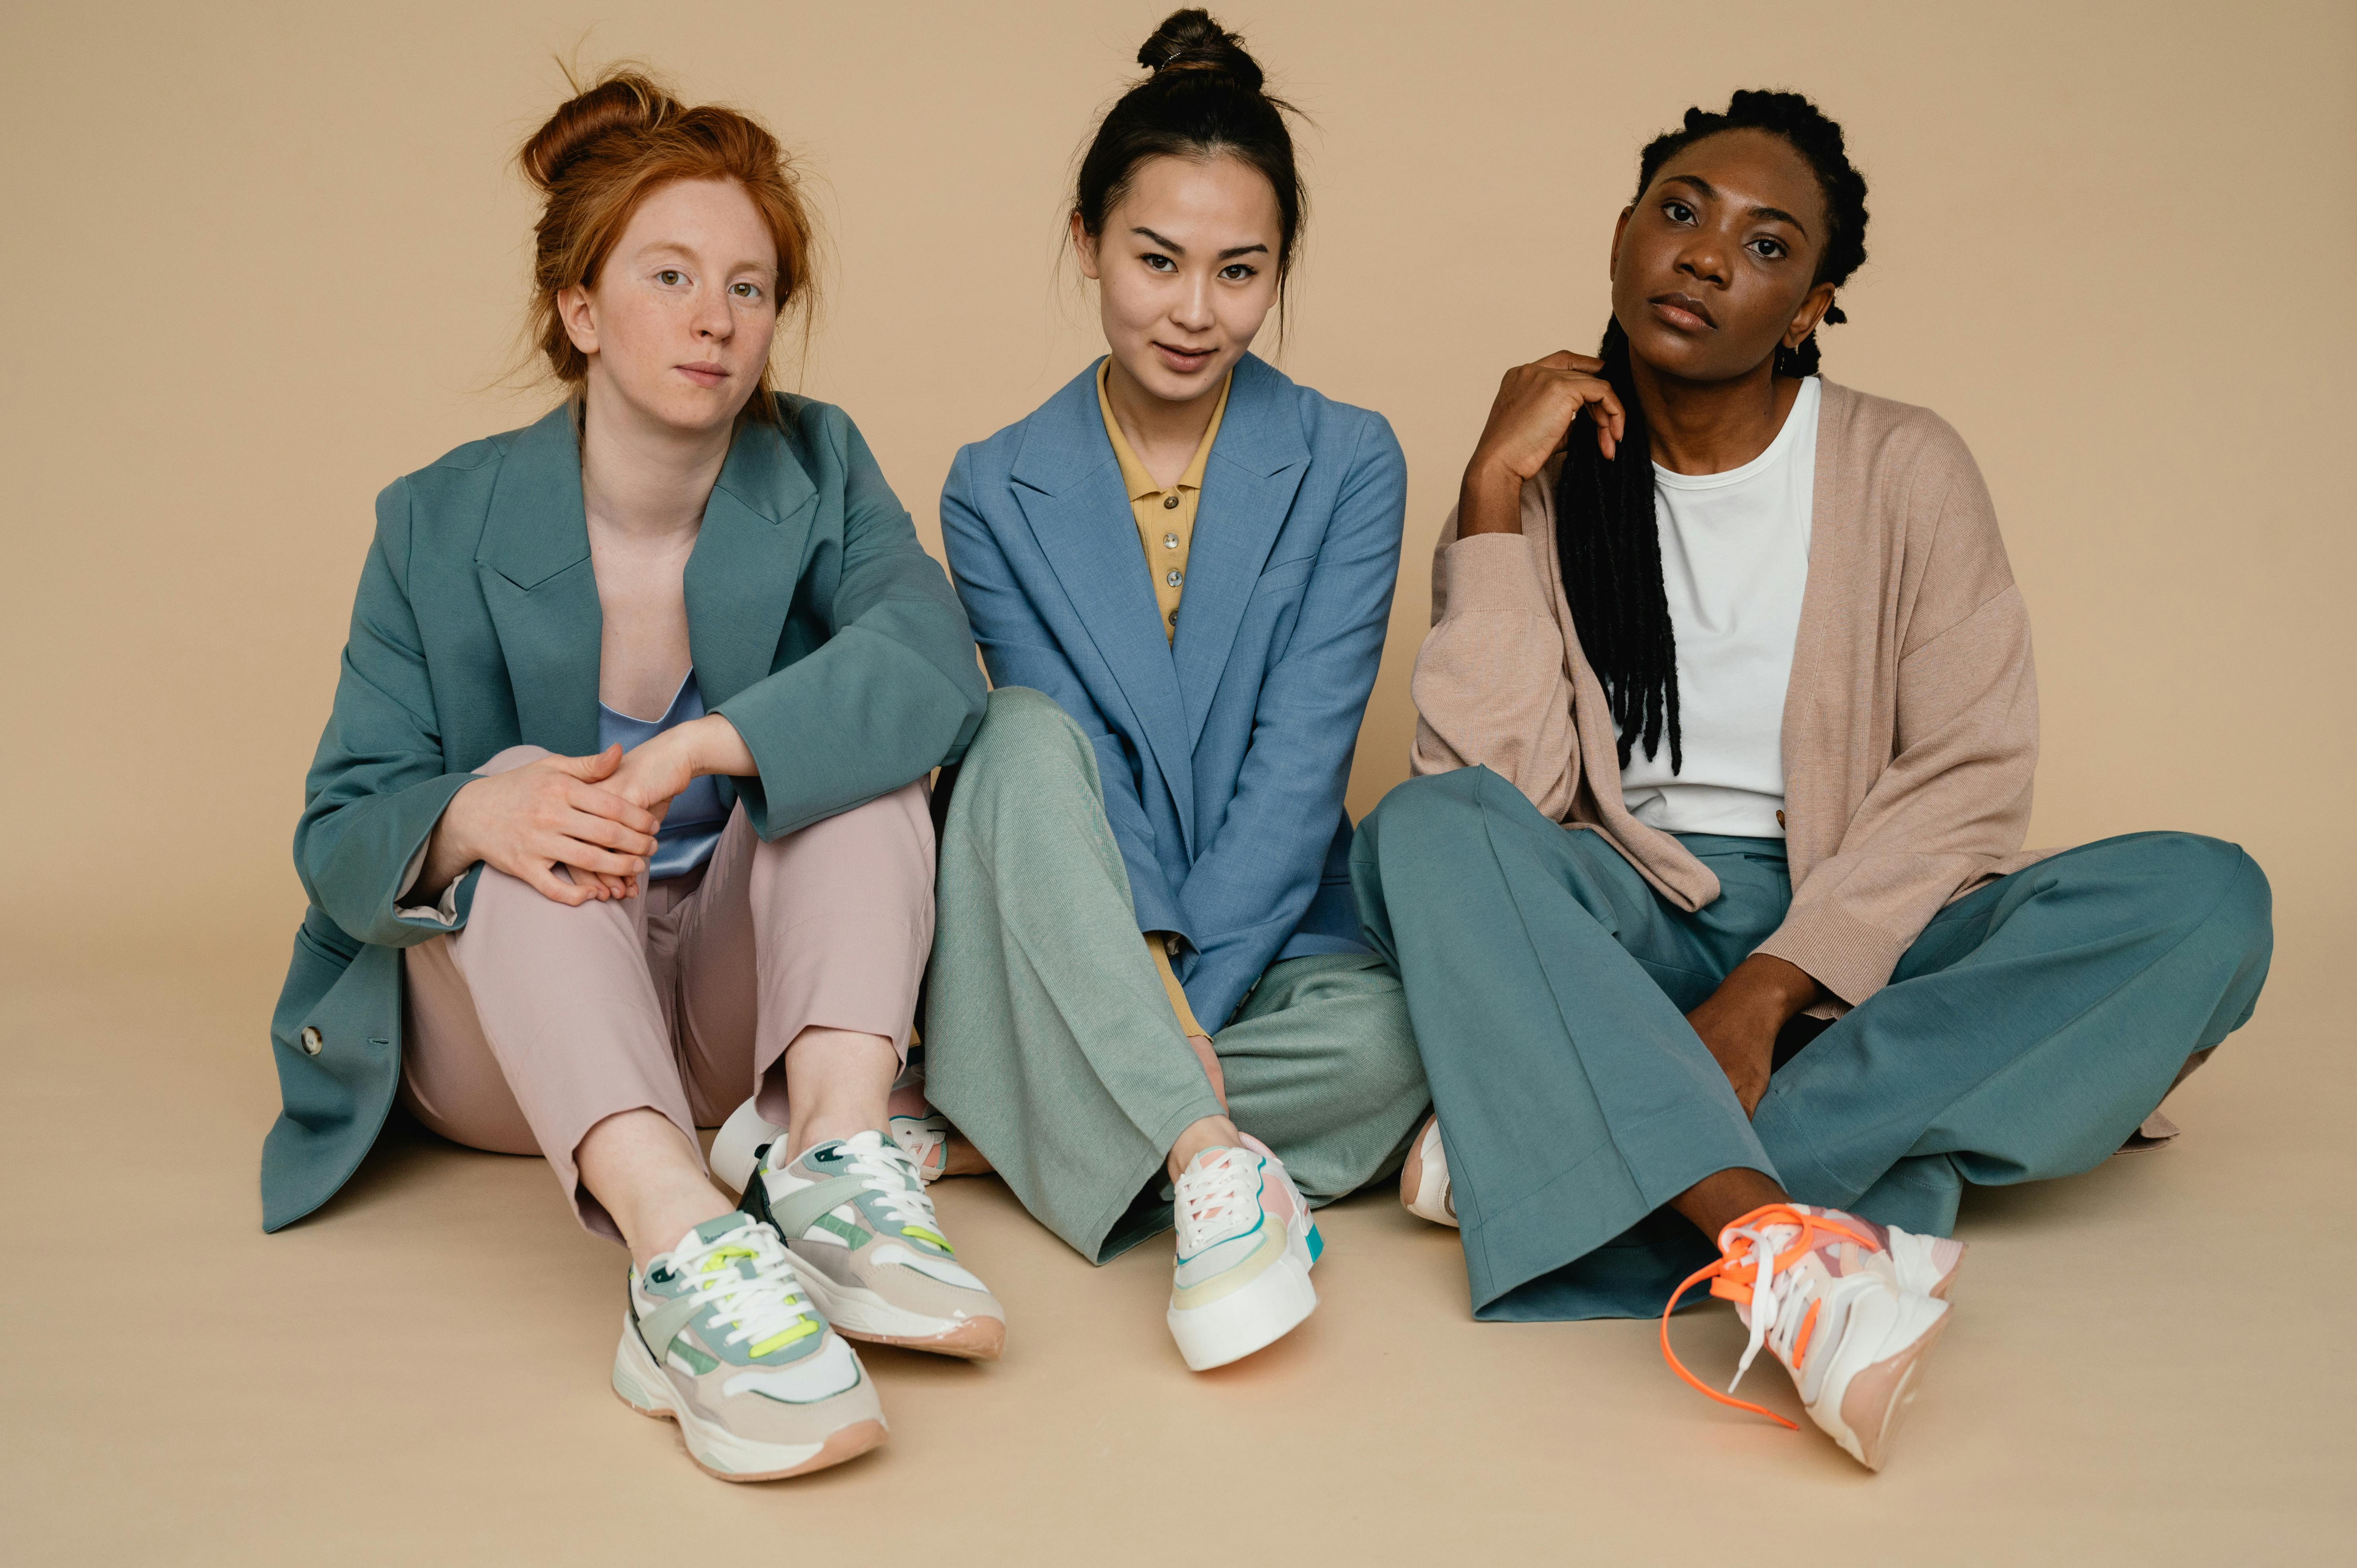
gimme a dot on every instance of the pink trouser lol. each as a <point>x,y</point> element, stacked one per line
<point>537,1021</point>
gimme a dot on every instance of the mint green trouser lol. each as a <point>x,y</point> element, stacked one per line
<point>2026,1033</point>
<point>1051,1043</point>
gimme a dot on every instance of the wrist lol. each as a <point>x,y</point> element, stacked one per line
<point>1490,498</point>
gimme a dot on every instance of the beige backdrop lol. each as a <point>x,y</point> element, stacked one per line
<point>260,259</point>
<point>256,259</point>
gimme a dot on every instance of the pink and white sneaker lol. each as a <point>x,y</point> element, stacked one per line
<point>1819,1288</point>
<point>1246,1244</point>
<point>1424,1181</point>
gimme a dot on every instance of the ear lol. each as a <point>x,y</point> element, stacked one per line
<point>573,309</point>
<point>1612,266</point>
<point>1813,307</point>
<point>1084,247</point>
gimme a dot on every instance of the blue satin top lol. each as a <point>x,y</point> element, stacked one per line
<point>692,827</point>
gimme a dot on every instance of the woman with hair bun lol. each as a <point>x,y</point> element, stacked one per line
<point>623,795</point>
<point>1148,969</point>
<point>1794,982</point>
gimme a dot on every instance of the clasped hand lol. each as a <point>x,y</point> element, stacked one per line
<point>1739,1022</point>
<point>593,819</point>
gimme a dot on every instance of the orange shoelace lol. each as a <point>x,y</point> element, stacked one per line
<point>1736,1273</point>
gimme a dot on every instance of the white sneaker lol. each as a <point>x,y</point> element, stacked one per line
<point>737,1149</point>
<point>1809,1285</point>
<point>1246,1244</point>
<point>1424,1181</point>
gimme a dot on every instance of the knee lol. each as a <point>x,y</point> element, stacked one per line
<point>1023,735</point>
<point>512,758</point>
<point>1434,812</point>
<point>2215,881</point>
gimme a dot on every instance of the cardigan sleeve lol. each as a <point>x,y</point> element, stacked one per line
<point>1269,851</point>
<point>1957,792</point>
<point>379,782</point>
<point>893,692</point>
<point>1491,686</point>
<point>1020,652</point>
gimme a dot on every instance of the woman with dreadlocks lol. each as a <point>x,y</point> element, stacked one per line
<point>1753,636</point>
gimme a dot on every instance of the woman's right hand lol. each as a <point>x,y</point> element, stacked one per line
<point>1529,424</point>
<point>551,813</point>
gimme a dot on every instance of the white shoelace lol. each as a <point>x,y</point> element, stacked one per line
<point>895,1178</point>
<point>1766,1301</point>
<point>1216,1199</point>
<point>925,1140</point>
<point>768,1302</point>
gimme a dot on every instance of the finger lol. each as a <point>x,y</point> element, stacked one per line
<point>605,831</point>
<point>1563,360</point>
<point>590,768</point>
<point>542,878</point>
<point>613,807</point>
<point>597,860</point>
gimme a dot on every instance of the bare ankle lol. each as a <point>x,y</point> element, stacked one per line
<point>838,1084</point>
<point>1721,1198</point>
<point>1210,1132</point>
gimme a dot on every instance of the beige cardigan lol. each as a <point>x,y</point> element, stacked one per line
<point>1911,725</point>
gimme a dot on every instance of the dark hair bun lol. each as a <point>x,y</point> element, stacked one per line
<point>623,100</point>
<point>1190,40</point>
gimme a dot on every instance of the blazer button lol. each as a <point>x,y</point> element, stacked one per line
<point>1168,501</point>
<point>310,1041</point>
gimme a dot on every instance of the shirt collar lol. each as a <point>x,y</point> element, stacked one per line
<point>1134,477</point>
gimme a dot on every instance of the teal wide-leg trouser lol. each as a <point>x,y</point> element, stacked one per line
<point>2026,1033</point>
<point>1050,1040</point>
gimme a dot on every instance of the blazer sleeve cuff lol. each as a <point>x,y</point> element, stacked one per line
<point>1844,955</point>
<point>1491,572</point>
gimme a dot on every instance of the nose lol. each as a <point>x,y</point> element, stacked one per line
<point>713,321</point>
<point>1192,311</point>
<point>1704,260</point>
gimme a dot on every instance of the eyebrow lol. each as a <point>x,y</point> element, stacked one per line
<point>1232,252</point>
<point>1776,213</point>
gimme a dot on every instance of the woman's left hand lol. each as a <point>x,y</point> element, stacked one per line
<point>1740,1020</point>
<point>658,770</point>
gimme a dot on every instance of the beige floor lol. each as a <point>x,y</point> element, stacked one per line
<point>2151,1364</point>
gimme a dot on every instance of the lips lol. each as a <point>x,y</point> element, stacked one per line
<point>1179,359</point>
<point>1674,306</point>
<point>704,374</point>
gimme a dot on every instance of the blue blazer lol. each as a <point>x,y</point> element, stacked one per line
<point>1224,754</point>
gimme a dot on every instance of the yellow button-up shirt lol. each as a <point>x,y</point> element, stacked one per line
<point>1165,531</point>
<point>1165,519</point>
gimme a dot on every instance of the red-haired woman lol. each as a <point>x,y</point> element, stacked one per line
<point>623,788</point>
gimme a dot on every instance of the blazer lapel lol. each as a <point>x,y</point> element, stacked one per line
<point>747,558</point>
<point>534,564</point>
<point>1069,485</point>
<point>1257,465</point>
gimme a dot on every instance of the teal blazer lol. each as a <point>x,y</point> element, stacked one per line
<point>818,625</point>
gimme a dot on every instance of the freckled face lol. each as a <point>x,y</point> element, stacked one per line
<point>1186,270</point>
<point>1715,263</point>
<point>679,321</point>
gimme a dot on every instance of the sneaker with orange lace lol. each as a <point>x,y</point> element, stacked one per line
<point>1819,1288</point>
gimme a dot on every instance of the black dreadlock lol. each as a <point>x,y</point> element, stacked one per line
<point>1604,534</point>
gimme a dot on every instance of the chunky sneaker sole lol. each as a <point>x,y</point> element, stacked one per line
<point>1424,1181</point>
<point>1872,1382</point>
<point>1258,1300</point>
<point>864,1315</point>
<point>718,1451</point>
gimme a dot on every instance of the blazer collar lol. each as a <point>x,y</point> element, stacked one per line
<point>534,564</point>
<point>1070,490</point>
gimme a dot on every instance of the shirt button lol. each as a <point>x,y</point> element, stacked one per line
<point>1170,501</point>
<point>1174,577</point>
<point>1169,541</point>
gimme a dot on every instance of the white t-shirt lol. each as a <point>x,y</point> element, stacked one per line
<point>1735,562</point>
